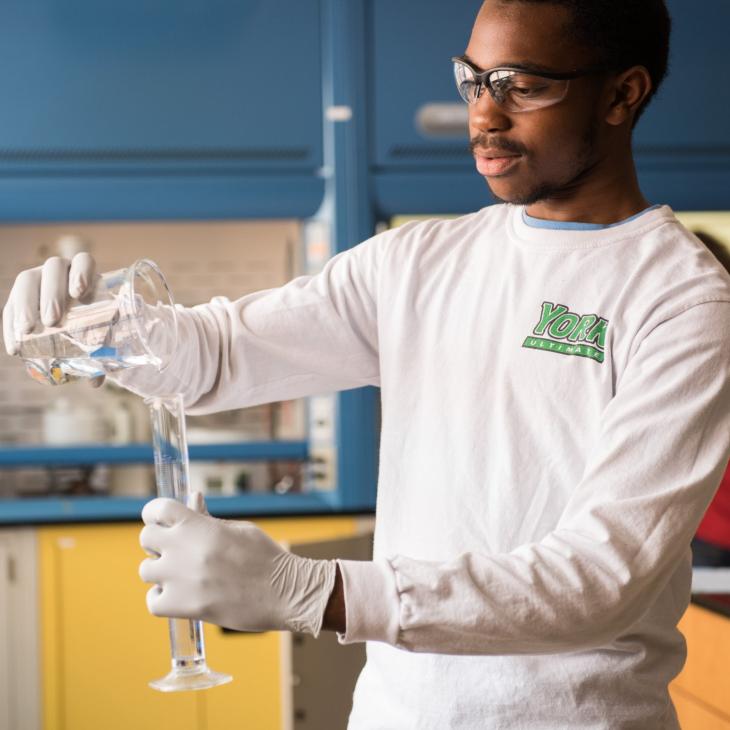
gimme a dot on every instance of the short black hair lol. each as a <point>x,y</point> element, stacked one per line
<point>623,33</point>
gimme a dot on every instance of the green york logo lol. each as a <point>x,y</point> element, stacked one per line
<point>569,334</point>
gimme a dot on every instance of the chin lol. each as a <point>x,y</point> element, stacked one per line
<point>515,196</point>
<point>511,196</point>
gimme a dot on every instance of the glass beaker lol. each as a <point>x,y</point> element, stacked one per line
<point>112,327</point>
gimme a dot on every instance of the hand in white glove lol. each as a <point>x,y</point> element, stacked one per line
<point>229,573</point>
<point>42,295</point>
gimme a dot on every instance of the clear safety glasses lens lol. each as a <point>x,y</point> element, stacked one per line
<point>514,91</point>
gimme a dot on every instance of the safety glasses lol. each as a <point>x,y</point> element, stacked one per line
<point>514,89</point>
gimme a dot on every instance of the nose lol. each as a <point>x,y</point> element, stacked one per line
<point>488,116</point>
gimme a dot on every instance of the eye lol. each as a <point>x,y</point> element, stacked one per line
<point>524,85</point>
<point>528,90</point>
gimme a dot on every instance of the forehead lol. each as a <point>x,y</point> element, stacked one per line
<point>524,33</point>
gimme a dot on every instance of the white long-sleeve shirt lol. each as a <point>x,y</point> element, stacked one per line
<point>555,420</point>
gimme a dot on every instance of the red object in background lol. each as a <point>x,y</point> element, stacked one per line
<point>715,525</point>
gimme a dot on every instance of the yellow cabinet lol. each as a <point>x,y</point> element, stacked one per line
<point>100,646</point>
<point>700,692</point>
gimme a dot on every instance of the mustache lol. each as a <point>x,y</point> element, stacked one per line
<point>504,145</point>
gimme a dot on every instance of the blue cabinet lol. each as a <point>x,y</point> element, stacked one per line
<point>161,82</point>
<point>213,108</point>
<point>196,92</point>
<point>410,68</point>
<point>417,168</point>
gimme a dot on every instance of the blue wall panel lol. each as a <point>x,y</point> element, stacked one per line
<point>349,205</point>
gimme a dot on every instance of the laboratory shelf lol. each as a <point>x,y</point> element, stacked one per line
<point>41,510</point>
<point>35,456</point>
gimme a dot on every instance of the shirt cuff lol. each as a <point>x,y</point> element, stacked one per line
<point>372,606</point>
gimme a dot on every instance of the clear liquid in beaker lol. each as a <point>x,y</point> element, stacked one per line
<point>94,340</point>
<point>57,371</point>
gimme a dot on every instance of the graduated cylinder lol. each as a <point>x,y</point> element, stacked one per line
<point>189,668</point>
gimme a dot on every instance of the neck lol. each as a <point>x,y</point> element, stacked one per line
<point>610,195</point>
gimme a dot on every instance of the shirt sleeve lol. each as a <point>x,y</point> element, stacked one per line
<point>663,444</point>
<point>316,334</point>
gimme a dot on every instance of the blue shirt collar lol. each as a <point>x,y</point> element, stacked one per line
<point>577,226</point>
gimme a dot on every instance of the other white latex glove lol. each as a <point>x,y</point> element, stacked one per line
<point>229,573</point>
<point>42,295</point>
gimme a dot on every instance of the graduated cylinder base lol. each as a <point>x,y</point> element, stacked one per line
<point>183,679</point>
<point>189,669</point>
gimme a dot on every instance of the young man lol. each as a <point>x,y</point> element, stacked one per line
<point>555,384</point>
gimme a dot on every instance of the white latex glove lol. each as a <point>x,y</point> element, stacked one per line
<point>42,295</point>
<point>229,573</point>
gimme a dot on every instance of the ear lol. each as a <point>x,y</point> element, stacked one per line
<point>628,91</point>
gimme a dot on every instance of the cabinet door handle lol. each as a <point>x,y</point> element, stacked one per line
<point>443,120</point>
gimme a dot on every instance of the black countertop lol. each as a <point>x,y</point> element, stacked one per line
<point>716,602</point>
